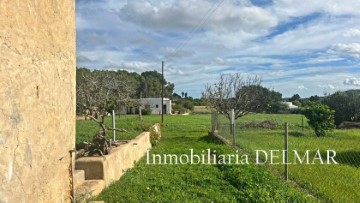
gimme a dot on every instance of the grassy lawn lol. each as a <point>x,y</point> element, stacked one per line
<point>339,183</point>
<point>197,183</point>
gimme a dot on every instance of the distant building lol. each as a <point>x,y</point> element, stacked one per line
<point>290,105</point>
<point>153,103</point>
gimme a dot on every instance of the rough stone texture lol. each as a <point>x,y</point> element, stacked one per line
<point>37,100</point>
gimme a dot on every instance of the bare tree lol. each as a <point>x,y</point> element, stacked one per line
<point>100,146</point>
<point>231,92</point>
<point>93,93</point>
<point>96,90</point>
<point>123,90</point>
<point>99,89</point>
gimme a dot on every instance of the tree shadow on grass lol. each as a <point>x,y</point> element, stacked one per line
<point>351,158</point>
<point>80,146</point>
<point>209,139</point>
<point>296,134</point>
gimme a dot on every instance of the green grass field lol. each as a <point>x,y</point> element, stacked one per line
<point>197,183</point>
<point>338,183</point>
<point>86,129</point>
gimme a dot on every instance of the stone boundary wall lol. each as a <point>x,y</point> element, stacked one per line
<point>111,167</point>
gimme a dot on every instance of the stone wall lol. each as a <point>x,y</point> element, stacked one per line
<point>111,167</point>
<point>37,99</point>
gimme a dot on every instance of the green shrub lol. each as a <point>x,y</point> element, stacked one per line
<point>321,118</point>
<point>346,105</point>
<point>143,126</point>
<point>356,117</point>
<point>179,108</point>
<point>155,134</point>
<point>267,124</point>
<point>188,105</point>
<point>146,111</point>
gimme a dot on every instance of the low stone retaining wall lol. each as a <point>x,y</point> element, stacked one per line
<point>216,135</point>
<point>111,167</point>
<point>349,125</point>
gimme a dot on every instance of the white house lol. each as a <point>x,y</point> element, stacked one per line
<point>155,105</point>
<point>290,105</point>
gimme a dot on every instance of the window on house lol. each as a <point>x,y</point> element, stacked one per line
<point>157,106</point>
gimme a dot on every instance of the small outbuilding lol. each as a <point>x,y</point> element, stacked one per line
<point>155,105</point>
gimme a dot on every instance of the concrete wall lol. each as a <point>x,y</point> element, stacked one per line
<point>37,99</point>
<point>93,174</point>
<point>114,165</point>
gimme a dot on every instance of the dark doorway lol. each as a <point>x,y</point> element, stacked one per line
<point>164,109</point>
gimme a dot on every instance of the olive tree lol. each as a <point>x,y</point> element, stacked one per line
<point>102,91</point>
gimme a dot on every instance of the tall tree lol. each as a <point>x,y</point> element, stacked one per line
<point>232,92</point>
<point>270,99</point>
<point>314,98</point>
<point>295,97</point>
<point>151,85</point>
<point>106,90</point>
<point>94,91</point>
<point>346,105</point>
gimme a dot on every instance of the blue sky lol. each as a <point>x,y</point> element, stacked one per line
<point>297,46</point>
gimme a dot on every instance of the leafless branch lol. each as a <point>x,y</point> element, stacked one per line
<point>230,92</point>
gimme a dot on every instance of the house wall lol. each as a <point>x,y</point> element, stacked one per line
<point>155,105</point>
<point>290,105</point>
<point>168,106</point>
<point>37,100</point>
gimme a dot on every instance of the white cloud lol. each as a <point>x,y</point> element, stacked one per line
<point>323,59</point>
<point>295,8</point>
<point>133,66</point>
<point>82,59</point>
<point>173,71</point>
<point>226,40</point>
<point>137,35</point>
<point>352,49</point>
<point>220,61</point>
<point>352,81</point>
<point>170,52</point>
<point>185,15</point>
<point>302,87</point>
<point>247,60</point>
<point>314,35</point>
<point>352,33</point>
<point>328,86</point>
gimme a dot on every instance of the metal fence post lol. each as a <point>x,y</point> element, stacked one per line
<point>233,125</point>
<point>113,124</point>
<point>286,152</point>
<point>302,123</point>
<point>216,121</point>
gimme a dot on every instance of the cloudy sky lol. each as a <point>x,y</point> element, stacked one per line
<point>298,46</point>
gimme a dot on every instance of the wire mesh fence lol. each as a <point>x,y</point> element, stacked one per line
<point>328,167</point>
